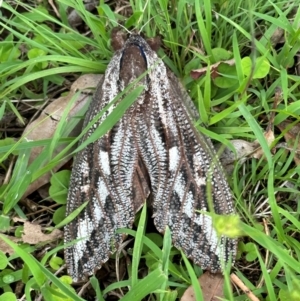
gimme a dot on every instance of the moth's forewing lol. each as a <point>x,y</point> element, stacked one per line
<point>184,172</point>
<point>107,173</point>
<point>212,195</point>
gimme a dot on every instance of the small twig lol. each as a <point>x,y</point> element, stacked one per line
<point>83,288</point>
<point>236,280</point>
<point>9,171</point>
<point>54,8</point>
<point>46,208</point>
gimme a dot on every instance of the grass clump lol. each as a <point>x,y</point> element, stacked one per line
<point>244,57</point>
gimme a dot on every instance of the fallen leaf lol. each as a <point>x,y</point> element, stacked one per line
<point>32,234</point>
<point>5,248</point>
<point>211,286</point>
<point>213,69</point>
<point>45,126</point>
<point>269,135</point>
<point>243,151</point>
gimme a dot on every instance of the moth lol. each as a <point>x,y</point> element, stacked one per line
<point>155,152</point>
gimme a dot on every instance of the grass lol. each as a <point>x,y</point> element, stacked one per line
<point>40,52</point>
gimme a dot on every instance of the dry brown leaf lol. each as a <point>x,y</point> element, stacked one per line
<point>5,248</point>
<point>291,136</point>
<point>244,150</point>
<point>269,135</point>
<point>32,234</point>
<point>213,68</point>
<point>211,285</point>
<point>45,126</point>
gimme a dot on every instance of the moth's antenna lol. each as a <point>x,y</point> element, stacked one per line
<point>146,24</point>
<point>128,31</point>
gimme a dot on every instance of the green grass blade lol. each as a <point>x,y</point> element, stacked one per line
<point>266,276</point>
<point>138,245</point>
<point>71,216</point>
<point>95,284</point>
<point>195,283</point>
<point>33,264</point>
<point>272,245</point>
<point>145,286</point>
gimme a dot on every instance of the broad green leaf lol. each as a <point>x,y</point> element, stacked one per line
<point>59,215</point>
<point>226,77</point>
<point>8,297</point>
<point>261,67</point>
<point>220,54</point>
<point>59,184</point>
<point>56,263</point>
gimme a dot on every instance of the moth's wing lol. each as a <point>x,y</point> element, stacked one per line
<point>198,175</point>
<point>186,162</point>
<point>102,175</point>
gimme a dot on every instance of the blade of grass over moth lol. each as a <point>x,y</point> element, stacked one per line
<point>108,123</point>
<point>111,119</point>
<point>138,245</point>
<point>71,216</point>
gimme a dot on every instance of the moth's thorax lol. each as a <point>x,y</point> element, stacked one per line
<point>132,64</point>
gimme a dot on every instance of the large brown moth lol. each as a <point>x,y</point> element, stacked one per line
<point>154,150</point>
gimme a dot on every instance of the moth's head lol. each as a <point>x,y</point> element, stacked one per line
<point>119,38</point>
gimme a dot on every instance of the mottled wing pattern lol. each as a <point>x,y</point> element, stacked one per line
<point>181,162</point>
<point>103,175</point>
<point>153,148</point>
